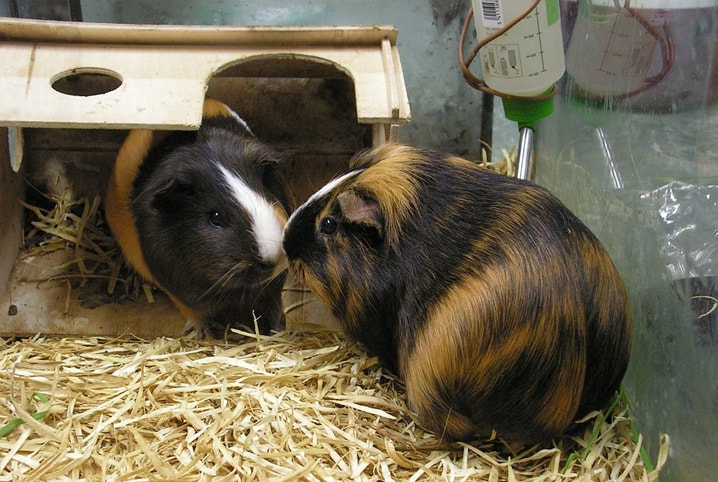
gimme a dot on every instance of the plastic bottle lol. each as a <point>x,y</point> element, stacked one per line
<point>523,62</point>
<point>611,50</point>
<point>527,59</point>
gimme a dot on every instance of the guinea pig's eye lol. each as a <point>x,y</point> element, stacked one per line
<point>215,217</point>
<point>328,225</point>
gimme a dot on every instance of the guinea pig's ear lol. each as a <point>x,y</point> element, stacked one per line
<point>362,211</point>
<point>172,195</point>
<point>261,156</point>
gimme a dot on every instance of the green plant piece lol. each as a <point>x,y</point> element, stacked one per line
<point>12,425</point>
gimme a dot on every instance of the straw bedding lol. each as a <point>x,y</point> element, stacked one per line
<point>297,405</point>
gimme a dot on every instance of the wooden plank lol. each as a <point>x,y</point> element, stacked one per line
<point>11,189</point>
<point>163,86</point>
<point>52,308</point>
<point>87,32</point>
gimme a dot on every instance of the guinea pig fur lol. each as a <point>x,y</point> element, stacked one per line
<point>496,305</point>
<point>200,214</point>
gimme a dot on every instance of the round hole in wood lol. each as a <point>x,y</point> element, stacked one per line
<point>86,81</point>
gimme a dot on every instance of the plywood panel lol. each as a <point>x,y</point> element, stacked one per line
<point>163,85</point>
<point>11,189</point>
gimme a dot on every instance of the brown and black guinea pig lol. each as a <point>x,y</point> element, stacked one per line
<point>200,214</point>
<point>495,304</point>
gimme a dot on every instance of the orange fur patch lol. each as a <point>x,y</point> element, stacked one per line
<point>458,348</point>
<point>391,184</point>
<point>215,108</point>
<point>119,196</point>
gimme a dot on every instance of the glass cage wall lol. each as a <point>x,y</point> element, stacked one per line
<point>632,148</point>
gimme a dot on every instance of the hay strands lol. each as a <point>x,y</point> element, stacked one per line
<point>307,405</point>
<point>75,227</point>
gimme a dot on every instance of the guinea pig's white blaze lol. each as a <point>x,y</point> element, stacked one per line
<point>323,191</point>
<point>266,225</point>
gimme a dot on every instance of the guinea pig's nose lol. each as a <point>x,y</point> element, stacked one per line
<point>290,250</point>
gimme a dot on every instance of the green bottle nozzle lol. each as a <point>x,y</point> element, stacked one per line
<point>526,113</point>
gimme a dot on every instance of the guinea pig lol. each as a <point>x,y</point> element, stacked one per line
<point>496,306</point>
<point>200,214</point>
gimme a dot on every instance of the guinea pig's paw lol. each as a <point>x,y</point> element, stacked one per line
<point>134,284</point>
<point>196,329</point>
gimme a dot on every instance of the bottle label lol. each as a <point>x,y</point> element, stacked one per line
<point>492,14</point>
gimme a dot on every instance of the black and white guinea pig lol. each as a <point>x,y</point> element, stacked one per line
<point>201,214</point>
<point>495,304</point>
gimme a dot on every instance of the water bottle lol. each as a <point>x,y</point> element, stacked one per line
<point>523,62</point>
<point>527,59</point>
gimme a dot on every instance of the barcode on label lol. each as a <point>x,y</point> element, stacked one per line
<point>491,13</point>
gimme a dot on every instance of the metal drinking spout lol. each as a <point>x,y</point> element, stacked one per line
<point>526,113</point>
<point>524,169</point>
